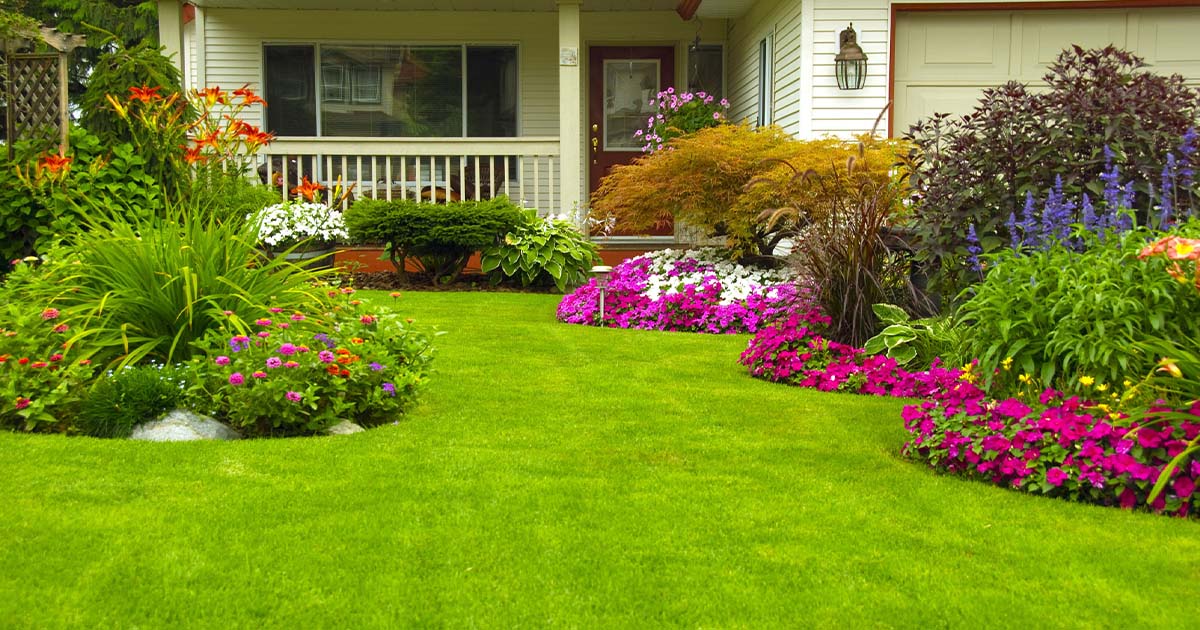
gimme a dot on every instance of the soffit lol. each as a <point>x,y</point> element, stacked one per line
<point>440,5</point>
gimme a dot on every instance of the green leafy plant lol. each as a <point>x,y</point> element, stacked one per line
<point>915,342</point>
<point>540,252</point>
<point>439,239</point>
<point>1060,315</point>
<point>116,71</point>
<point>125,398</point>
<point>147,289</point>
<point>43,376</point>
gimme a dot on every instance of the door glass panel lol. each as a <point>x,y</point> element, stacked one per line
<point>629,86</point>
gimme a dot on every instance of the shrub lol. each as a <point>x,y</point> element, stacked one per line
<point>301,371</point>
<point>290,223</point>
<point>541,252</point>
<point>680,114</point>
<point>703,182</point>
<point>439,238</point>
<point>697,291</point>
<point>1059,314</point>
<point>976,170</point>
<point>146,290</point>
<point>115,72</point>
<point>123,399</point>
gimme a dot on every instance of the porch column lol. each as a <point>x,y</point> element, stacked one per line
<point>570,112</point>
<point>170,30</point>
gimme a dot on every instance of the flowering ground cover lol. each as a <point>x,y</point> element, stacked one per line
<point>536,487</point>
<point>692,290</point>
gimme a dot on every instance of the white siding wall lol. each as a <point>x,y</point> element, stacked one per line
<point>780,19</point>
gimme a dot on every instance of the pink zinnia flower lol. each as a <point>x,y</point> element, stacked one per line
<point>294,396</point>
<point>221,360</point>
<point>325,356</point>
<point>259,374</point>
<point>367,320</point>
<point>262,322</point>
<point>236,379</point>
<point>297,317</point>
<point>61,328</point>
<point>275,309</point>
<point>50,313</point>
<point>22,402</point>
<point>274,362</point>
<point>264,334</point>
<point>291,364</point>
<point>287,349</point>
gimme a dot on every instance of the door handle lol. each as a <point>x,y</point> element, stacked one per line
<point>595,145</point>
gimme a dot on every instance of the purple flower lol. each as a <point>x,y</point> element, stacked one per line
<point>326,356</point>
<point>239,343</point>
<point>375,367</point>
<point>274,362</point>
<point>236,379</point>
<point>294,396</point>
<point>389,389</point>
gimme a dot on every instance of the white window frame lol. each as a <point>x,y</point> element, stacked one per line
<point>766,80</point>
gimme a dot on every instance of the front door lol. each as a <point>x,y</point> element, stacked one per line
<point>622,81</point>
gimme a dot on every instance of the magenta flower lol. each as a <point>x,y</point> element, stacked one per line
<point>291,364</point>
<point>297,317</point>
<point>325,356</point>
<point>1056,476</point>
<point>294,396</point>
<point>236,379</point>
<point>222,360</point>
<point>367,320</point>
<point>264,334</point>
<point>259,374</point>
<point>50,313</point>
<point>275,309</point>
<point>287,349</point>
<point>274,362</point>
<point>262,322</point>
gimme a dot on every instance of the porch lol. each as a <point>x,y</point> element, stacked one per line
<point>497,98</point>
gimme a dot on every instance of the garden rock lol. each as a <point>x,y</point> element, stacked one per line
<point>181,425</point>
<point>345,427</point>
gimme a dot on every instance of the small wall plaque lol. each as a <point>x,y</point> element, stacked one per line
<point>568,56</point>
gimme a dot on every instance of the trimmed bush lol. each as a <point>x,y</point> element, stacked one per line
<point>438,238</point>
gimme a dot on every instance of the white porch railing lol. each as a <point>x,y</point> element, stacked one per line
<point>527,170</point>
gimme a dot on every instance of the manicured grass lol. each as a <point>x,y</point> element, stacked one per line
<point>569,476</point>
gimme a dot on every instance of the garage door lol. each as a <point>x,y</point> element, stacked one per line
<point>943,59</point>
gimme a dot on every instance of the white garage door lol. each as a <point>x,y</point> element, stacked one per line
<point>943,59</point>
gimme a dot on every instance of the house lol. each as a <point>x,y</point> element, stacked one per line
<point>537,98</point>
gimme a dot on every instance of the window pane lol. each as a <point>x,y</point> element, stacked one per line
<point>291,99</point>
<point>706,71</point>
<point>629,87</point>
<point>492,91</point>
<point>391,91</point>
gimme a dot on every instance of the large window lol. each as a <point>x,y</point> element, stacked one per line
<point>391,91</point>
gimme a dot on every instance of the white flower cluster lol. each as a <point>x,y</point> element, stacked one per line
<point>737,281</point>
<point>291,222</point>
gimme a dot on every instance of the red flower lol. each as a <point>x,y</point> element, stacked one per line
<point>22,402</point>
<point>332,369</point>
<point>4,358</point>
<point>61,328</point>
<point>144,94</point>
<point>248,96</point>
<point>55,358</point>
<point>23,361</point>
<point>308,189</point>
<point>55,164</point>
<point>37,365</point>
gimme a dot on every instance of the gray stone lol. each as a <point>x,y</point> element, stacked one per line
<point>345,427</point>
<point>182,425</point>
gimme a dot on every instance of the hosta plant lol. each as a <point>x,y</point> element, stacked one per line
<point>541,252</point>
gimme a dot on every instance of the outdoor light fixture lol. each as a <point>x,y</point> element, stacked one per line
<point>600,272</point>
<point>850,64</point>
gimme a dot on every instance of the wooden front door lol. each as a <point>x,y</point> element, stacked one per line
<point>622,80</point>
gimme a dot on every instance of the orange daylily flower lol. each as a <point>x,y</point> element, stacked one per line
<point>193,155</point>
<point>144,94</point>
<point>55,163</point>
<point>308,189</point>
<point>248,96</point>
<point>213,95</point>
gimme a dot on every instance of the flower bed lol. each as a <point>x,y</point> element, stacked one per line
<point>1055,445</point>
<point>693,290</point>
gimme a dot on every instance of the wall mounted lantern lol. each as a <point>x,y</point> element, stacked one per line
<point>850,64</point>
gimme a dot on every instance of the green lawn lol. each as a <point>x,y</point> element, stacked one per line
<point>568,476</point>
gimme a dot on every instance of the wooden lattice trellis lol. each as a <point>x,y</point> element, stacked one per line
<point>36,90</point>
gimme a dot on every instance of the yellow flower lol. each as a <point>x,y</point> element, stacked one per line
<point>1102,387</point>
<point>967,367</point>
<point>1128,383</point>
<point>1169,366</point>
<point>1086,381</point>
<point>1025,378</point>
<point>1007,363</point>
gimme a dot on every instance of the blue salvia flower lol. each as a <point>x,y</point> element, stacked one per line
<point>1029,222</point>
<point>1090,222</point>
<point>1167,206</point>
<point>1014,237</point>
<point>973,249</point>
<point>1056,214</point>
<point>1112,182</point>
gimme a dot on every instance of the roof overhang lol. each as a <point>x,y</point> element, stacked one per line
<point>516,6</point>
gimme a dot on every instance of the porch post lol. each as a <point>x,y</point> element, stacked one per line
<point>170,30</point>
<point>570,112</point>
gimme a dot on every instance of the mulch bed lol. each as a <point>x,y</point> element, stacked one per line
<point>391,281</point>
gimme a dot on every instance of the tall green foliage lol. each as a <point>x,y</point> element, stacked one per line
<point>141,65</point>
